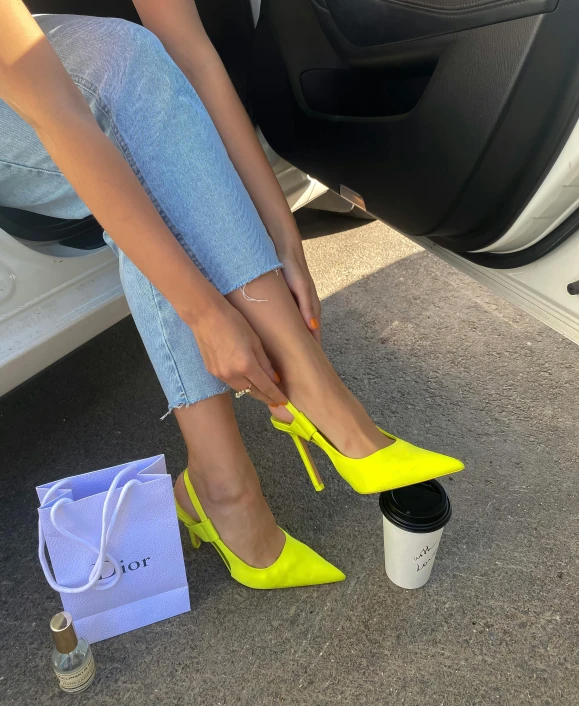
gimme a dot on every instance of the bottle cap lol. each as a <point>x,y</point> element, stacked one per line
<point>63,633</point>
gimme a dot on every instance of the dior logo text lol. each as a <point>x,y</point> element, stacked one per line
<point>132,566</point>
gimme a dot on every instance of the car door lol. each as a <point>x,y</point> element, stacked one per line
<point>454,122</point>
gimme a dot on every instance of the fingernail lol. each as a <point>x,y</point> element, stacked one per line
<point>276,377</point>
<point>273,405</point>
<point>314,324</point>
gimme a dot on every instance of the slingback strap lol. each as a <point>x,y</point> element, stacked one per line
<point>185,517</point>
<point>203,529</point>
<point>303,424</point>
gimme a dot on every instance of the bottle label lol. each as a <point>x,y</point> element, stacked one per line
<point>80,678</point>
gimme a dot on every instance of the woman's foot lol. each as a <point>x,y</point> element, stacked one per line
<point>307,376</point>
<point>239,513</point>
<point>347,427</point>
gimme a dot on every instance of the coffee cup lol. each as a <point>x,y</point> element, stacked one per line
<point>413,520</point>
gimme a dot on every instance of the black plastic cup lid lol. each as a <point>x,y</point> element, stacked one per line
<point>424,507</point>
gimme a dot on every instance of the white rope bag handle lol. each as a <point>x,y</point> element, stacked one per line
<point>101,551</point>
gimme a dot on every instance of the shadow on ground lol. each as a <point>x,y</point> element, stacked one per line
<point>436,359</point>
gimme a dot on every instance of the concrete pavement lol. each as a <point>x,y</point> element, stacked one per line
<point>436,359</point>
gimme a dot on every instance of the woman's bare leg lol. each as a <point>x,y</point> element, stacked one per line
<point>308,377</point>
<point>219,467</point>
<point>226,482</point>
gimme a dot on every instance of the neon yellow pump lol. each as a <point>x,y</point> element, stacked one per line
<point>297,565</point>
<point>395,466</point>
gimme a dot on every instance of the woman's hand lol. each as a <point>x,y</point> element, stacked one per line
<point>232,351</point>
<point>301,285</point>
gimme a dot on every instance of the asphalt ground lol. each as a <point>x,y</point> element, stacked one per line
<point>436,359</point>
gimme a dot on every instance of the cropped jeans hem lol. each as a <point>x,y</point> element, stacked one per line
<point>183,401</point>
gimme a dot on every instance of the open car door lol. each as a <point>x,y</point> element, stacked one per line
<point>454,122</point>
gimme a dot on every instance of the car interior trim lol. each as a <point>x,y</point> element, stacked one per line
<point>556,199</point>
<point>521,258</point>
<point>368,23</point>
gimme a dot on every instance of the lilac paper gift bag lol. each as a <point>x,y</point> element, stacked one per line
<point>114,545</point>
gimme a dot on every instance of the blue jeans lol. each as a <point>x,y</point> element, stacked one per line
<point>144,103</point>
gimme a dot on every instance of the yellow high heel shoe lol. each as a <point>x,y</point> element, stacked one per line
<point>395,466</point>
<point>297,565</point>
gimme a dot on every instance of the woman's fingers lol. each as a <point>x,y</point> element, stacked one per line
<point>262,388</point>
<point>310,309</point>
<point>316,332</point>
<point>258,395</point>
<point>232,351</point>
<point>255,378</point>
<point>303,289</point>
<point>263,377</point>
<point>240,385</point>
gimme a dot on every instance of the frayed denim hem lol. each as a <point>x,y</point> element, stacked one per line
<point>188,403</point>
<point>274,267</point>
<point>265,271</point>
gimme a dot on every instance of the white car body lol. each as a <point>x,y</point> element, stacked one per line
<point>541,287</point>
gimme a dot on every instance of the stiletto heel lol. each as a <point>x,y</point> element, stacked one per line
<point>306,457</point>
<point>195,541</point>
<point>392,467</point>
<point>297,565</point>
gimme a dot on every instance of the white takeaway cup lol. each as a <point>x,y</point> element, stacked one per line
<point>413,519</point>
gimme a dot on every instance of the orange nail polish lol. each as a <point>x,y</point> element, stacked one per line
<point>274,405</point>
<point>314,324</point>
<point>276,377</point>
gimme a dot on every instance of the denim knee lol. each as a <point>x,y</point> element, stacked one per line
<point>124,68</point>
<point>149,108</point>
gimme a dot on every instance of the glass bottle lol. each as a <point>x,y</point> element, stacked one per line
<point>72,658</point>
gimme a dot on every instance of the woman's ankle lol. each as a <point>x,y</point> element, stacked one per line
<point>214,489</point>
<point>242,519</point>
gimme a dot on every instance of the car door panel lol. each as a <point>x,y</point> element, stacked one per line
<point>447,136</point>
<point>456,123</point>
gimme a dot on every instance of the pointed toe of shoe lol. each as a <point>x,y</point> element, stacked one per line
<point>305,567</point>
<point>318,573</point>
<point>308,567</point>
<point>336,575</point>
<point>297,565</point>
<point>437,465</point>
<point>325,572</point>
<point>417,465</point>
<point>396,466</point>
